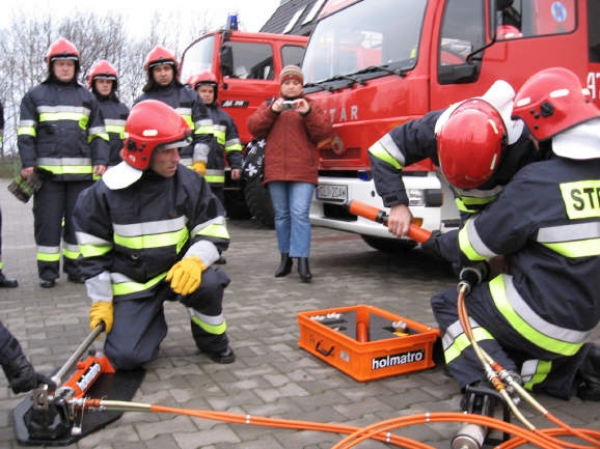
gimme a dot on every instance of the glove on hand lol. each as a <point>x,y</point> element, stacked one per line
<point>102,311</point>
<point>186,275</point>
<point>199,167</point>
<point>22,377</point>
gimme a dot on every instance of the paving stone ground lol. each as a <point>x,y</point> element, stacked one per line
<point>272,376</point>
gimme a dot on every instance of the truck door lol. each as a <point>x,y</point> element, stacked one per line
<point>253,67</point>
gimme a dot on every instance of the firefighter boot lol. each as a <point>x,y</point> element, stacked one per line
<point>285,266</point>
<point>480,401</point>
<point>303,270</point>
<point>7,283</point>
<point>588,377</point>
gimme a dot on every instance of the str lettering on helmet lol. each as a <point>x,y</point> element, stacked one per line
<point>582,199</point>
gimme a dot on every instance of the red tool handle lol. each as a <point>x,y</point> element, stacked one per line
<point>361,209</point>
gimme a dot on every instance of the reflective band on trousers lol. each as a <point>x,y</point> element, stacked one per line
<point>455,341</point>
<point>534,372</point>
<point>530,325</point>
<point>214,325</point>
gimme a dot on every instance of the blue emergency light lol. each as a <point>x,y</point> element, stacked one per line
<point>232,21</point>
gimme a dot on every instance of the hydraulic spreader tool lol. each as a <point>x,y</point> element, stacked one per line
<point>49,418</point>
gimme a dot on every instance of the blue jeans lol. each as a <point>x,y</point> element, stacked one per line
<point>291,202</point>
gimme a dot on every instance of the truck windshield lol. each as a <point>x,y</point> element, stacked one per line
<point>368,34</point>
<point>198,57</point>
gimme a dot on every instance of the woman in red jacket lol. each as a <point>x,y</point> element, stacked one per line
<point>293,126</point>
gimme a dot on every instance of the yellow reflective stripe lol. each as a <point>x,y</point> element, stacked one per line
<point>103,136</point>
<point>462,342</point>
<point>175,238</point>
<point>580,248</point>
<point>129,287</point>
<point>188,120</point>
<point>27,131</point>
<point>234,147</point>
<point>115,129</point>
<point>543,368</point>
<point>500,298</point>
<point>48,257</point>
<point>220,135</point>
<point>72,255</point>
<point>210,328</point>
<point>94,250</point>
<point>69,169</point>
<point>581,198</point>
<point>82,119</point>
<point>216,231</point>
<point>470,204</point>
<point>204,129</point>
<point>466,247</point>
<point>379,151</point>
<point>214,179</point>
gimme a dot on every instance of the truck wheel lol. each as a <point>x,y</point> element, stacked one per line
<point>389,246</point>
<point>258,201</point>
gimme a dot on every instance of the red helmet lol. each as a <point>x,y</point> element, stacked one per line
<point>160,55</point>
<point>470,143</point>
<point>552,101</point>
<point>152,123</point>
<point>62,49</point>
<point>102,70</point>
<point>206,78</point>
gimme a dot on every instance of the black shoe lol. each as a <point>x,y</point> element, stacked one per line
<point>588,377</point>
<point>224,357</point>
<point>75,279</point>
<point>47,283</point>
<point>285,266</point>
<point>7,283</point>
<point>221,261</point>
<point>304,270</point>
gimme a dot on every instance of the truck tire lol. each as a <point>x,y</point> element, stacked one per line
<point>258,201</point>
<point>389,246</point>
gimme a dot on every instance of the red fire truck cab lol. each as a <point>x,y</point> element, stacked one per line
<point>375,64</point>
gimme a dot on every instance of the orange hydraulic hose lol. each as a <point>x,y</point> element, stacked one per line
<point>361,209</point>
<point>464,320</point>
<point>380,431</point>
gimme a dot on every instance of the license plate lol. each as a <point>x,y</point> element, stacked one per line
<point>337,193</point>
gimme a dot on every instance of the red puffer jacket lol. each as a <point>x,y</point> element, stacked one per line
<point>291,150</point>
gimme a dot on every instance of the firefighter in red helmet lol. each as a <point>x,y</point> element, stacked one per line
<point>228,141</point>
<point>61,130</point>
<point>163,84</point>
<point>150,231</point>
<point>476,145</point>
<point>535,319</point>
<point>103,82</point>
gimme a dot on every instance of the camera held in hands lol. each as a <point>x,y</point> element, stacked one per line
<point>288,105</point>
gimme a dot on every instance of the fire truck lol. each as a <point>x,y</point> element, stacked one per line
<point>247,67</point>
<point>375,64</point>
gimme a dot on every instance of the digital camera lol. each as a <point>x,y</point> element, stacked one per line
<point>288,104</point>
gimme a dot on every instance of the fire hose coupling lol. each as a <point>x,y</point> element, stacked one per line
<point>472,275</point>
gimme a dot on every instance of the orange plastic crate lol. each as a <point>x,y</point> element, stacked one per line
<point>331,335</point>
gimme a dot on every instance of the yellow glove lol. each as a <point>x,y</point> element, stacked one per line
<point>199,167</point>
<point>186,275</point>
<point>102,311</point>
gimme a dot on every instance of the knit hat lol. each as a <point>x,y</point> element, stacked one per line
<point>291,72</point>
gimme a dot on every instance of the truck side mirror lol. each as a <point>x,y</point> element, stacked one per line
<point>226,58</point>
